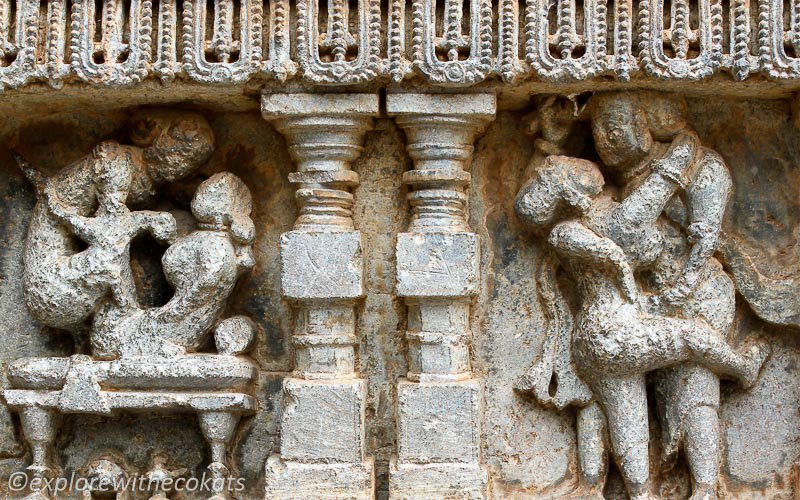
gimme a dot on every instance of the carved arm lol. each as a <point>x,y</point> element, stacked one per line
<point>707,198</point>
<point>161,225</point>
<point>573,239</point>
<point>646,203</point>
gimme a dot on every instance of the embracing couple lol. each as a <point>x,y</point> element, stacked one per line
<point>652,295</point>
<point>92,289</point>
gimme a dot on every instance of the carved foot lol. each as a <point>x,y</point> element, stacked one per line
<point>757,354</point>
<point>220,474</point>
<point>704,492</point>
<point>639,491</point>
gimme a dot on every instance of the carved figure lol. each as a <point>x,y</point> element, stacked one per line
<point>61,291</point>
<point>142,359</point>
<point>110,231</point>
<point>622,333</point>
<point>201,267</point>
<point>686,279</point>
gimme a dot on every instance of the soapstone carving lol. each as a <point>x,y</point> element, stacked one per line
<point>138,358</point>
<point>653,298</point>
<point>450,43</point>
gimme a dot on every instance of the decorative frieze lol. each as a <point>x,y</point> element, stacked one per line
<point>323,449</point>
<point>119,58</point>
<point>440,42</point>
<point>28,54</point>
<point>213,52</point>
<point>625,261</point>
<point>579,56</point>
<point>324,58</point>
<point>680,36</point>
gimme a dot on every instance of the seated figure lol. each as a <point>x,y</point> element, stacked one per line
<point>139,358</point>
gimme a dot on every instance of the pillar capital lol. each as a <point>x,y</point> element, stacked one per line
<point>324,133</point>
<point>441,130</point>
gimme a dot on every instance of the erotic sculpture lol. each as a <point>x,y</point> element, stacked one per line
<point>129,357</point>
<point>652,295</point>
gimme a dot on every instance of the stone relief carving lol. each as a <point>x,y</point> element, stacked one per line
<point>239,42</point>
<point>388,378</point>
<point>129,357</point>
<point>324,58</point>
<point>653,298</point>
<point>438,265</point>
<point>123,58</point>
<point>323,427</point>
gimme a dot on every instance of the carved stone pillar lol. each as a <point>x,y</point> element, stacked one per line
<point>322,452</point>
<point>439,403</point>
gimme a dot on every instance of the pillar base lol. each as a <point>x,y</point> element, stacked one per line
<point>437,481</point>
<point>292,480</point>
<point>439,422</point>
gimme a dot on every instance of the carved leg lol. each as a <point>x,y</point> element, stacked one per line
<point>625,403</point>
<point>714,353</point>
<point>592,454</point>
<point>702,451</point>
<point>673,340</point>
<point>218,428</point>
<point>38,426</point>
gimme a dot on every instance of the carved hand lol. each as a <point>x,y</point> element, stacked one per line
<point>161,225</point>
<point>81,227</point>
<point>165,228</point>
<point>678,161</point>
<point>629,287</point>
<point>676,295</point>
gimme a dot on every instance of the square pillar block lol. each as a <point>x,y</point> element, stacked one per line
<point>438,442</point>
<point>438,264</point>
<point>438,421</point>
<point>450,481</point>
<point>323,421</point>
<point>334,481</point>
<point>322,453</point>
<point>321,265</point>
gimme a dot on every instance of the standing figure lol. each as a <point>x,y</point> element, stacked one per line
<point>553,381</point>
<point>617,338</point>
<point>686,280</point>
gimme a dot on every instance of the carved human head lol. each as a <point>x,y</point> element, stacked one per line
<point>625,124</point>
<point>620,129</point>
<point>561,183</point>
<point>175,143</point>
<point>224,202</point>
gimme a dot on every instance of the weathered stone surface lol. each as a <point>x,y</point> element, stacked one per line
<point>397,334</point>
<point>437,264</point>
<point>340,404</point>
<point>256,42</point>
<point>321,265</point>
<point>286,480</point>
<point>438,422</point>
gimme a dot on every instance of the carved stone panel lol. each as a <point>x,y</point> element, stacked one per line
<point>429,249</point>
